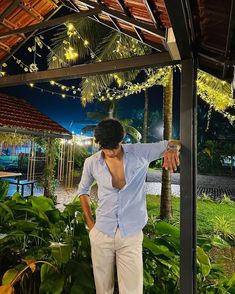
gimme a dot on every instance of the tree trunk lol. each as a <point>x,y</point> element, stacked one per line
<point>145,125</point>
<point>166,201</point>
<point>112,107</point>
<point>49,170</point>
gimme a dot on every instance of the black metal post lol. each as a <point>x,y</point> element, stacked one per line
<point>188,173</point>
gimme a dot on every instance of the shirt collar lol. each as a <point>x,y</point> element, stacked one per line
<point>101,158</point>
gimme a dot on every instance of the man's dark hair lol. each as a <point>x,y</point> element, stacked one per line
<point>109,133</point>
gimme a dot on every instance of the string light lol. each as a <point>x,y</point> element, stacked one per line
<point>216,93</point>
<point>53,92</point>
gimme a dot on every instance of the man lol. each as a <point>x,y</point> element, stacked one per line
<point>116,236</point>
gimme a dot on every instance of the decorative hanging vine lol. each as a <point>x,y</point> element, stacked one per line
<point>216,93</point>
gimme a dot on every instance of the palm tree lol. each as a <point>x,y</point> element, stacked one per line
<point>166,198</point>
<point>145,125</point>
<point>110,110</point>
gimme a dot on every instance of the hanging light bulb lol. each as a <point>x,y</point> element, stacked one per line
<point>70,54</point>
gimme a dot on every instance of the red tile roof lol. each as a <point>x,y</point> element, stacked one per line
<point>23,14</point>
<point>21,116</point>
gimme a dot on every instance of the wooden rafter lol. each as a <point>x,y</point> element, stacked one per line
<point>122,4</point>
<point>31,11</point>
<point>74,72</point>
<point>155,19</point>
<point>9,25</point>
<point>50,23</point>
<point>9,10</point>
<point>129,20</point>
<point>175,11</point>
<point>154,45</point>
<point>230,36</point>
<point>5,48</point>
<point>29,36</point>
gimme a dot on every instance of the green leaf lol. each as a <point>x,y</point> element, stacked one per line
<point>26,226</point>
<point>42,203</point>
<point>204,261</point>
<point>84,282</point>
<point>231,281</point>
<point>61,252</point>
<point>7,209</point>
<point>18,198</point>
<point>148,279</point>
<point>157,249</point>
<point>52,284</point>
<point>45,269</point>
<point>9,276</point>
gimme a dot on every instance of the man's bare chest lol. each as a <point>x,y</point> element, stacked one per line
<point>116,169</point>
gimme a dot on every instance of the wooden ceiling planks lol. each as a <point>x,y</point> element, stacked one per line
<point>24,13</point>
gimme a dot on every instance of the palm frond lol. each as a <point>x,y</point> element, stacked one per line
<point>134,133</point>
<point>107,50</point>
<point>87,129</point>
<point>88,30</point>
<point>96,115</point>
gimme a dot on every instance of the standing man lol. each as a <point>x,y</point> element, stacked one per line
<point>116,237</point>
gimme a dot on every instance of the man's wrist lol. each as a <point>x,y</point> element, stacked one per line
<point>174,145</point>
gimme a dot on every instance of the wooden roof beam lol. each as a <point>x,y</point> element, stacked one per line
<point>127,12</point>
<point>230,37</point>
<point>129,20</point>
<point>31,11</point>
<point>84,70</point>
<point>9,10</point>
<point>50,23</point>
<point>179,23</point>
<point>29,36</point>
<point>155,19</point>
<point>116,28</point>
<point>5,48</point>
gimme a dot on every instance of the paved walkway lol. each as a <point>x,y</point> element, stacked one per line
<point>212,185</point>
<point>215,186</point>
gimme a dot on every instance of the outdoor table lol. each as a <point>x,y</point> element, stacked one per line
<point>4,174</point>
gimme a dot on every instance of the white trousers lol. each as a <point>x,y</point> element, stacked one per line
<point>125,253</point>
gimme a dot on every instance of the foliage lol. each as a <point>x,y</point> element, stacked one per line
<point>14,138</point>
<point>216,93</point>
<point>44,249</point>
<point>212,156</point>
<point>161,263</point>
<point>224,228</point>
<point>206,212</point>
<point>4,185</point>
<point>80,154</point>
<point>109,109</point>
<point>48,180</point>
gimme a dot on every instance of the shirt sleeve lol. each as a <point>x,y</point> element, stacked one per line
<point>151,151</point>
<point>84,187</point>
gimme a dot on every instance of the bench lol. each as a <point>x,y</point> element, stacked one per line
<point>22,183</point>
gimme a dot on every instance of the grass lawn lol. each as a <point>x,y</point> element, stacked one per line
<point>207,211</point>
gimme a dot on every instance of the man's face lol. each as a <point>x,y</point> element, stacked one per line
<point>111,153</point>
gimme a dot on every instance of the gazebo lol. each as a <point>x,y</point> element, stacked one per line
<point>181,32</point>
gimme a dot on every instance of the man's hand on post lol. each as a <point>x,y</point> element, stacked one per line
<point>171,156</point>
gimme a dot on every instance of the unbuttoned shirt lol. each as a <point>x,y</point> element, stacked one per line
<point>124,207</point>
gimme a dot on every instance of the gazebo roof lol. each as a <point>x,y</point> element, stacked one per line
<point>15,14</point>
<point>16,115</point>
<point>204,28</point>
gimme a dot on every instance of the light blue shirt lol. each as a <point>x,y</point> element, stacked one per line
<point>124,207</point>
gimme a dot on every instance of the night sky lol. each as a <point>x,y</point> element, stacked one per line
<point>68,111</point>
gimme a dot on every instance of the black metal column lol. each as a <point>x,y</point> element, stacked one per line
<point>188,173</point>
